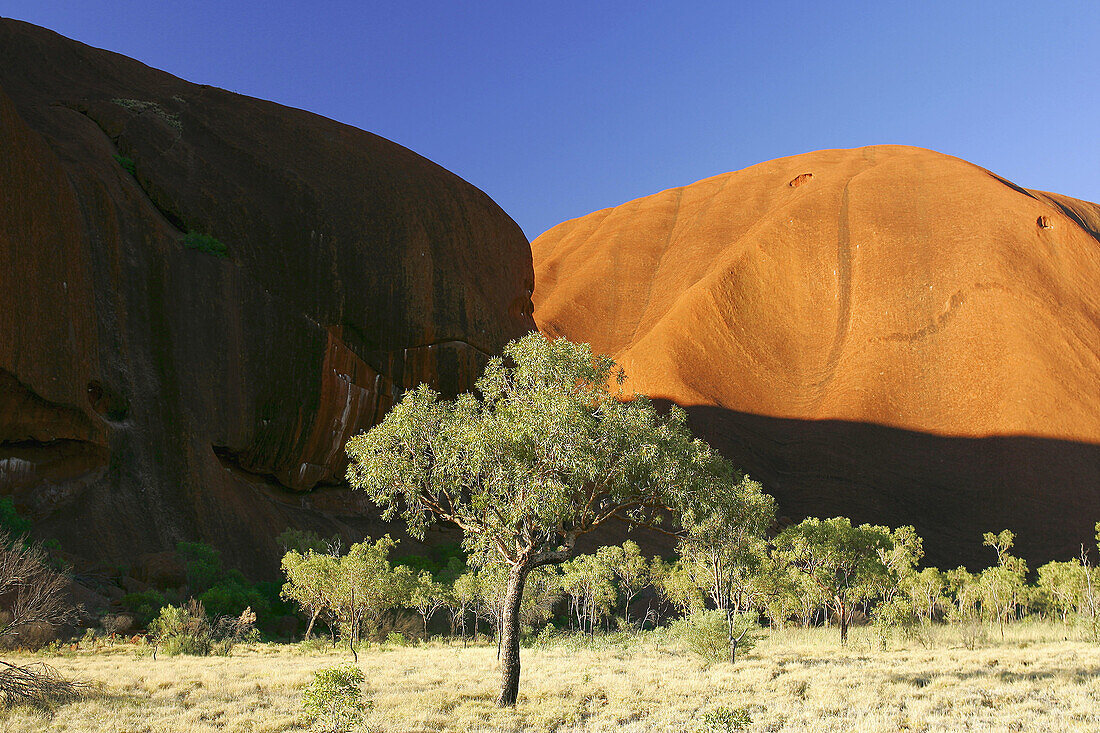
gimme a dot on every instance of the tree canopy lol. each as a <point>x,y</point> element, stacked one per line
<point>546,449</point>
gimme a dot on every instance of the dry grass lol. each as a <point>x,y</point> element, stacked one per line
<point>794,681</point>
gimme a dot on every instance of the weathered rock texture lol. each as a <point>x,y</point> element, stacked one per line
<point>886,333</point>
<point>151,392</point>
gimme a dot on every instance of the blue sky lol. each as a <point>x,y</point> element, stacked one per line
<point>556,109</point>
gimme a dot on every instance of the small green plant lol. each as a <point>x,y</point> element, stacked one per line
<point>725,720</point>
<point>127,164</point>
<point>333,702</point>
<point>396,638</point>
<point>205,243</point>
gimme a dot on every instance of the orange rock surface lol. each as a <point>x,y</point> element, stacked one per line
<point>886,332</point>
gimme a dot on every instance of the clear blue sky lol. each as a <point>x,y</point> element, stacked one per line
<point>556,109</point>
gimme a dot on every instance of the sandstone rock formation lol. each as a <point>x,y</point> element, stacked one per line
<point>152,391</point>
<point>886,333</point>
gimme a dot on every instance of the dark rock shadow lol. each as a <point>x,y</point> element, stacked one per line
<point>951,489</point>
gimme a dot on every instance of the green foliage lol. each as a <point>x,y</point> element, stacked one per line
<point>306,540</point>
<point>848,564</point>
<point>707,633</point>
<point>127,164</point>
<point>187,629</point>
<point>676,586</point>
<point>542,453</point>
<point>723,548</point>
<point>222,592</point>
<point>203,564</point>
<point>11,523</point>
<point>725,720</point>
<point>231,594</point>
<point>333,702</point>
<point>183,630</point>
<point>205,243</point>
<point>355,590</point>
<point>145,605</point>
<point>589,582</point>
<point>396,638</point>
<point>445,561</point>
<point>630,570</point>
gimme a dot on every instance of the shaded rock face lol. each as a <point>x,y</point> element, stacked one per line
<point>886,333</point>
<point>152,392</point>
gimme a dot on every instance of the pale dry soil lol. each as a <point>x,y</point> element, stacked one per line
<point>795,680</point>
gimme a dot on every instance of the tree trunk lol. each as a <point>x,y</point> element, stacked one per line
<point>843,608</point>
<point>509,665</point>
<point>730,638</point>
<point>312,620</point>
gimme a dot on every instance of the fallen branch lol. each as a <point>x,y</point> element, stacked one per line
<point>37,685</point>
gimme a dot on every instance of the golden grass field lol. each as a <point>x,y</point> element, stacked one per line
<point>1036,679</point>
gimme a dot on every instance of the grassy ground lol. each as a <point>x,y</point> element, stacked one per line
<point>1037,679</point>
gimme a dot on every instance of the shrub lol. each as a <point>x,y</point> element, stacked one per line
<point>145,605</point>
<point>127,164</point>
<point>182,630</point>
<point>205,243</point>
<point>231,595</point>
<point>203,563</point>
<point>333,703</point>
<point>116,623</point>
<point>706,633</point>
<point>396,638</point>
<point>187,630</point>
<point>725,720</point>
<point>10,521</point>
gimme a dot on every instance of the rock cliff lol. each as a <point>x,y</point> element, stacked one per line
<point>203,295</point>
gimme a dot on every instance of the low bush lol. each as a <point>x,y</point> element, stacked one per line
<point>333,703</point>
<point>182,630</point>
<point>14,525</point>
<point>231,594</point>
<point>144,605</point>
<point>706,633</point>
<point>725,720</point>
<point>188,630</point>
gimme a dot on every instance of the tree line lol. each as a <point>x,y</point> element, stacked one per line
<point>813,573</point>
<point>549,447</point>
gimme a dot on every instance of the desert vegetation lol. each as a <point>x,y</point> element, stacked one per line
<point>817,625</point>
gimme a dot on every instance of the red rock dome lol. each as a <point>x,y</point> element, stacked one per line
<point>886,333</point>
<point>153,390</point>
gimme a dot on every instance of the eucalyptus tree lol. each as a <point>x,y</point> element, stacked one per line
<point>631,571</point>
<point>427,596</point>
<point>311,580</point>
<point>963,584</point>
<point>676,585</point>
<point>1004,585</point>
<point>547,449</point>
<point>925,590</point>
<point>589,583</point>
<point>463,598</point>
<point>845,562</point>
<point>724,546</point>
<point>1062,586</point>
